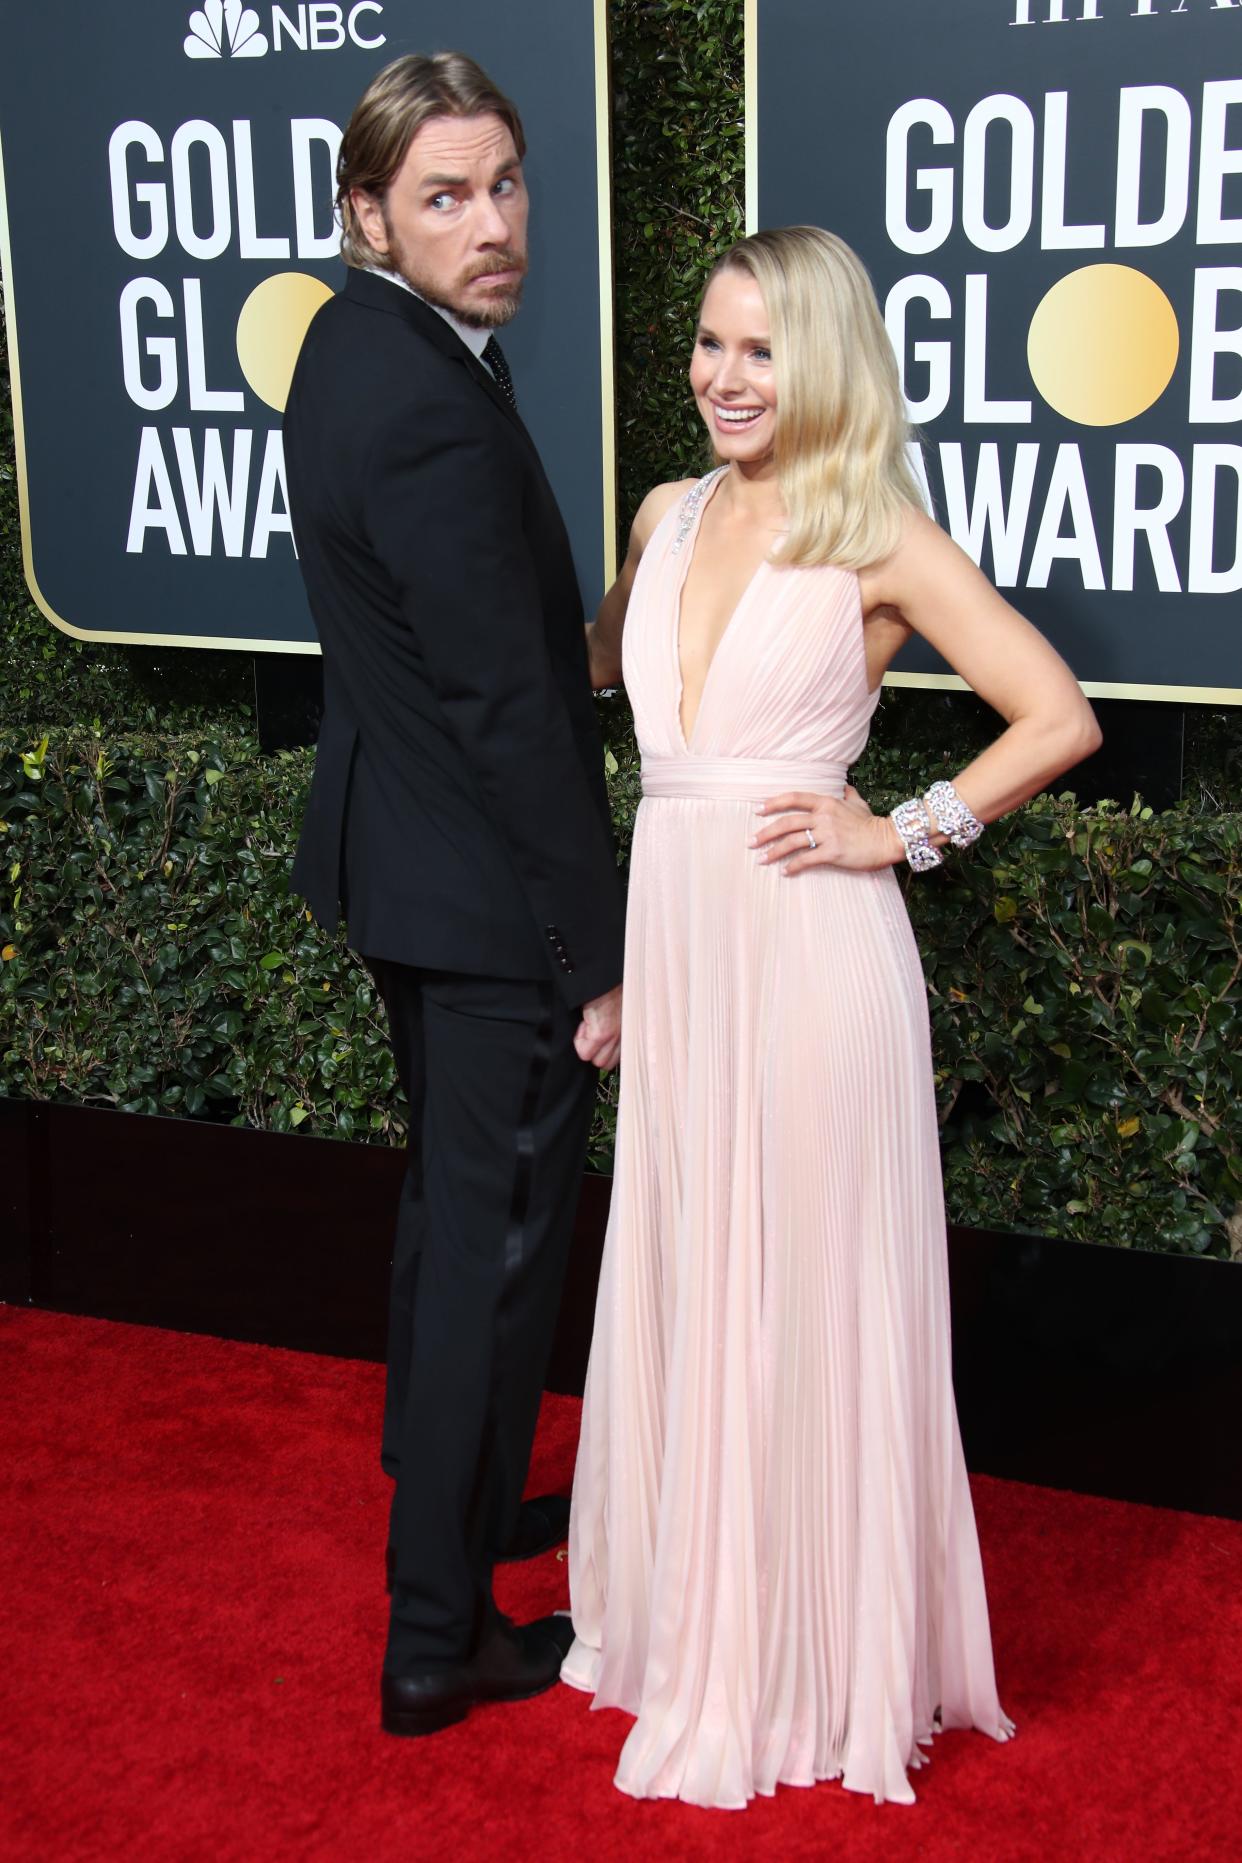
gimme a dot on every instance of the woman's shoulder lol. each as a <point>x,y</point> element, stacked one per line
<point>655,506</point>
<point>923,554</point>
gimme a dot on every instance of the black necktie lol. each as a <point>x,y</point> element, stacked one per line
<point>494,357</point>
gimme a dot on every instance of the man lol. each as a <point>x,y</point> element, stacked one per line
<point>458,817</point>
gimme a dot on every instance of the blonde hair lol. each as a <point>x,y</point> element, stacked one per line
<point>387,117</point>
<point>841,427</point>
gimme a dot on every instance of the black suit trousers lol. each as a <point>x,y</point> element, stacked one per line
<point>500,1107</point>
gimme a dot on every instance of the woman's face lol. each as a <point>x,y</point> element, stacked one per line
<point>731,371</point>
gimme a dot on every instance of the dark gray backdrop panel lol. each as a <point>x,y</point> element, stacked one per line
<point>829,80</point>
<point>70,72</point>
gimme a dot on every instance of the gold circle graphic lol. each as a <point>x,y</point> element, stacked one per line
<point>1102,345</point>
<point>270,330</point>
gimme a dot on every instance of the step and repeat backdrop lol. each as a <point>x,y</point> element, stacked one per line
<point>1048,194</point>
<point>168,177</point>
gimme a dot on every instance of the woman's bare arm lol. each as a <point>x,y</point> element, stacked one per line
<point>930,586</point>
<point>939,592</point>
<point>604,633</point>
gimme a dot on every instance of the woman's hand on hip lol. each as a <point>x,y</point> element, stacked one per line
<point>805,831</point>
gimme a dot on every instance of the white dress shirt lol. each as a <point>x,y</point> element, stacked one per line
<point>475,340</point>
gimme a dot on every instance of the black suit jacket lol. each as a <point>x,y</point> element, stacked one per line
<point>458,812</point>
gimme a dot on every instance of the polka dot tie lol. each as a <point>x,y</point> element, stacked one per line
<point>494,357</point>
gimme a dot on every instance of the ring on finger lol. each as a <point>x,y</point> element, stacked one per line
<point>810,837</point>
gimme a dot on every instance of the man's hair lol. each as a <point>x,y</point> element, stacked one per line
<point>841,426</point>
<point>388,116</point>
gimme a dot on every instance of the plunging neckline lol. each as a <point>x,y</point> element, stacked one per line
<point>692,541</point>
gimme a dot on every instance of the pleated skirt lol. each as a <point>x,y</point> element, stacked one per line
<point>773,1558</point>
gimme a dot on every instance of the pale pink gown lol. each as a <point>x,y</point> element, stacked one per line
<point>773,1557</point>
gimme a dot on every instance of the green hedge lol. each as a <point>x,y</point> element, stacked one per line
<point>1083,965</point>
<point>1084,968</point>
<point>678,200</point>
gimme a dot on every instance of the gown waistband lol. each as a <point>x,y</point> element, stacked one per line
<point>738,779</point>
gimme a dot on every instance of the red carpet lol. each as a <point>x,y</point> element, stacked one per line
<point>193,1612</point>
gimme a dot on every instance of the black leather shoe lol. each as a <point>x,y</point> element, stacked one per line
<point>512,1664</point>
<point>560,1627</point>
<point>542,1524</point>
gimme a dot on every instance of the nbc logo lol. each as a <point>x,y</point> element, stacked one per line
<point>225,29</point>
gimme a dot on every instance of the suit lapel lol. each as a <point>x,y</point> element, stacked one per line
<point>383,295</point>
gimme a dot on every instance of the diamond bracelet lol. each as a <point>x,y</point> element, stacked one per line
<point>910,819</point>
<point>951,815</point>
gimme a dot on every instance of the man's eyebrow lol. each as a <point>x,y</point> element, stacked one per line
<point>461,181</point>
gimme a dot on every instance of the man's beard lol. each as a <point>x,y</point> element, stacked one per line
<point>502,308</point>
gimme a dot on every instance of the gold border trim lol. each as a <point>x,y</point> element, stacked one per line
<point>608,397</point>
<point>607,286</point>
<point>750,32</point>
<point>1094,689</point>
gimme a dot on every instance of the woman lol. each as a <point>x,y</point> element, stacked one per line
<point>773,1558</point>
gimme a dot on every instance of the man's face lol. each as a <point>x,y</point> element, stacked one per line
<point>453,222</point>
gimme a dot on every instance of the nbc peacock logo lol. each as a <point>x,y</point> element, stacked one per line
<point>225,29</point>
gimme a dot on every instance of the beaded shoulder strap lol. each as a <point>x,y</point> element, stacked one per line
<point>689,507</point>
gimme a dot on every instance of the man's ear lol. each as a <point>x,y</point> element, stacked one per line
<point>369,214</point>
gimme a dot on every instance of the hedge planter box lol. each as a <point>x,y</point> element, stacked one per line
<point>1101,1369</point>
<point>1082,972</point>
